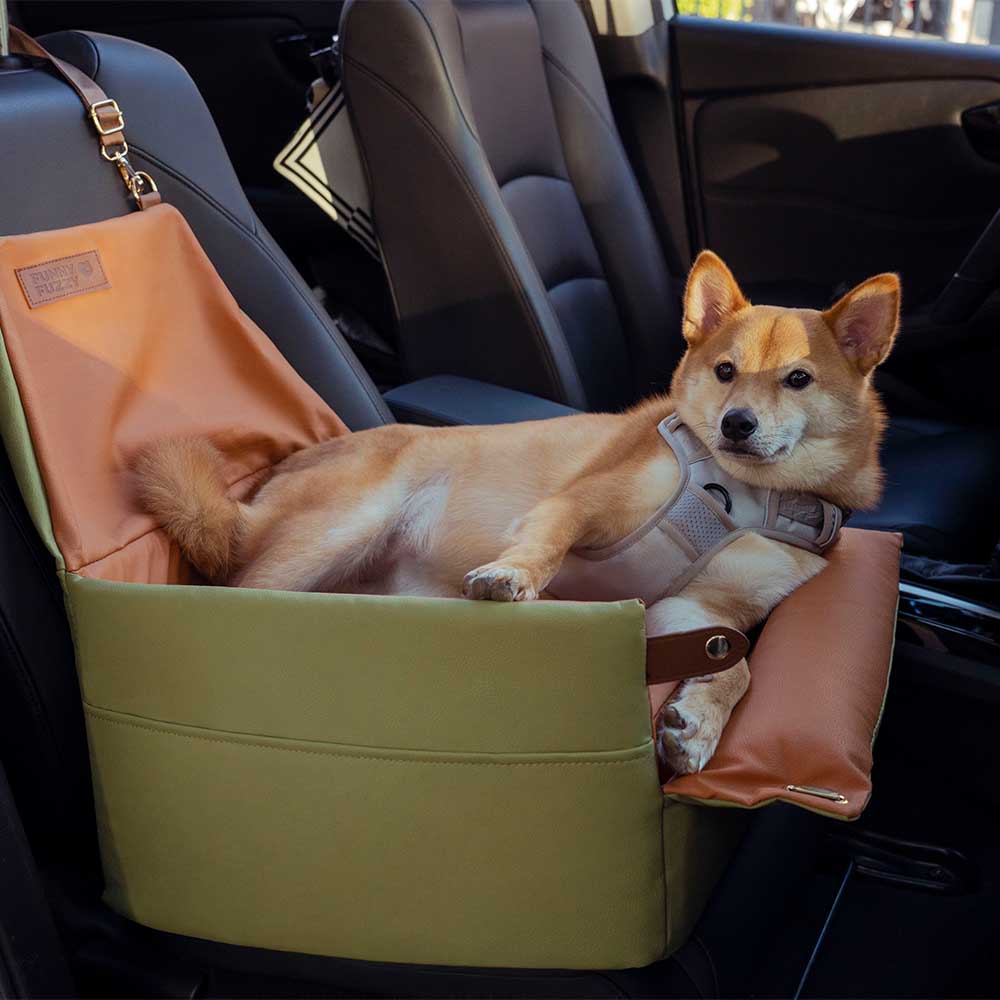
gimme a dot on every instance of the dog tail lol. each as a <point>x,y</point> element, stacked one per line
<point>180,482</point>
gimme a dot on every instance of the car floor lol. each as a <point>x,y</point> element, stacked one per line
<point>885,940</point>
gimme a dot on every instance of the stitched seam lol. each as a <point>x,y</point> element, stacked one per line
<point>580,277</point>
<point>547,53</point>
<point>528,176</point>
<point>621,310</point>
<point>612,131</point>
<point>347,356</point>
<point>480,210</point>
<point>484,217</point>
<point>444,64</point>
<point>641,754</point>
<point>417,409</point>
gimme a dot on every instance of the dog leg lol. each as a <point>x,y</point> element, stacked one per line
<point>691,725</point>
<point>689,728</point>
<point>342,546</point>
<point>540,544</point>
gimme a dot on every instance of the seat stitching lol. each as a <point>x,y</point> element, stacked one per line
<point>557,64</point>
<point>481,211</point>
<point>444,63</point>
<point>483,214</point>
<point>581,277</point>
<point>417,410</point>
<point>621,309</point>
<point>640,753</point>
<point>592,104</point>
<point>545,177</point>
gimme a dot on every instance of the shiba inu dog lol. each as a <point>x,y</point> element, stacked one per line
<point>779,401</point>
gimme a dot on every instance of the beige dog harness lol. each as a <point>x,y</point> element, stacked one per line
<point>709,510</point>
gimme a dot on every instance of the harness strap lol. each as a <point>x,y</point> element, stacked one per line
<point>710,506</point>
<point>678,656</point>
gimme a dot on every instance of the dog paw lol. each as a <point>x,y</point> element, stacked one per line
<point>499,583</point>
<point>688,732</point>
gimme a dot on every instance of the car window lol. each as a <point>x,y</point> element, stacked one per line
<point>964,21</point>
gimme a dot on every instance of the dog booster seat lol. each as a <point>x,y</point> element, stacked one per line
<point>386,778</point>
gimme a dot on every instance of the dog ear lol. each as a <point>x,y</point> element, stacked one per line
<point>710,296</point>
<point>866,319</point>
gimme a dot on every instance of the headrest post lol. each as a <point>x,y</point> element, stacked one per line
<point>4,31</point>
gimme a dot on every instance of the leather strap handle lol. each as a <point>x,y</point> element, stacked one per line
<point>103,113</point>
<point>678,656</point>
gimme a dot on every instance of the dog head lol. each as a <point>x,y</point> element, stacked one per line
<point>783,397</point>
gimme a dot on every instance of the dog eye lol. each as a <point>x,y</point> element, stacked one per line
<point>798,379</point>
<point>724,371</point>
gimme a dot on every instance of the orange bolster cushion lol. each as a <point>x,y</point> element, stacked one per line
<point>819,673</point>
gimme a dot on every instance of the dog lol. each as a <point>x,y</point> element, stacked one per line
<point>780,399</point>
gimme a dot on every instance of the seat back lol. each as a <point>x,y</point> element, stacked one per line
<point>54,178</point>
<point>542,272</point>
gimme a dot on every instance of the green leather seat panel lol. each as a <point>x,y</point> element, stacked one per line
<point>405,672</point>
<point>393,779</point>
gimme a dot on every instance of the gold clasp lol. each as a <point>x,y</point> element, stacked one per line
<point>115,157</point>
<point>113,105</point>
<point>138,183</point>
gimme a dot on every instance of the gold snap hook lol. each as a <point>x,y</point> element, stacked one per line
<point>119,155</point>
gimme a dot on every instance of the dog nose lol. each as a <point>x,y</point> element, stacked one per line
<point>738,425</point>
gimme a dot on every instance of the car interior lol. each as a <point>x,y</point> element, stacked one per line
<point>540,185</point>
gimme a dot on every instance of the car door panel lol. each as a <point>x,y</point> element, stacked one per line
<point>843,181</point>
<point>825,158</point>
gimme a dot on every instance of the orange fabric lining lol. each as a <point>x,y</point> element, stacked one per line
<point>164,351</point>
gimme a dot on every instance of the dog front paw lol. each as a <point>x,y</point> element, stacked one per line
<point>494,582</point>
<point>688,732</point>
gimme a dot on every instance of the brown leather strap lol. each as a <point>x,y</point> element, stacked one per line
<point>103,113</point>
<point>677,656</point>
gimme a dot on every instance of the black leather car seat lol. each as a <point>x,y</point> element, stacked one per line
<point>518,245</point>
<point>519,248</point>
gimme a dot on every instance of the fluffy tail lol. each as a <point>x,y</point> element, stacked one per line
<point>180,483</point>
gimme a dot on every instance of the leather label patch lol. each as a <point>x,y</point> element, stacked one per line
<point>62,278</point>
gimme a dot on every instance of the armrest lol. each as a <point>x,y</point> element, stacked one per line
<point>451,399</point>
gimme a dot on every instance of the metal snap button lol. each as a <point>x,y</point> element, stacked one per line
<point>717,648</point>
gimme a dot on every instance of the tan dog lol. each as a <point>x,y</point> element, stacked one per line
<point>409,510</point>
